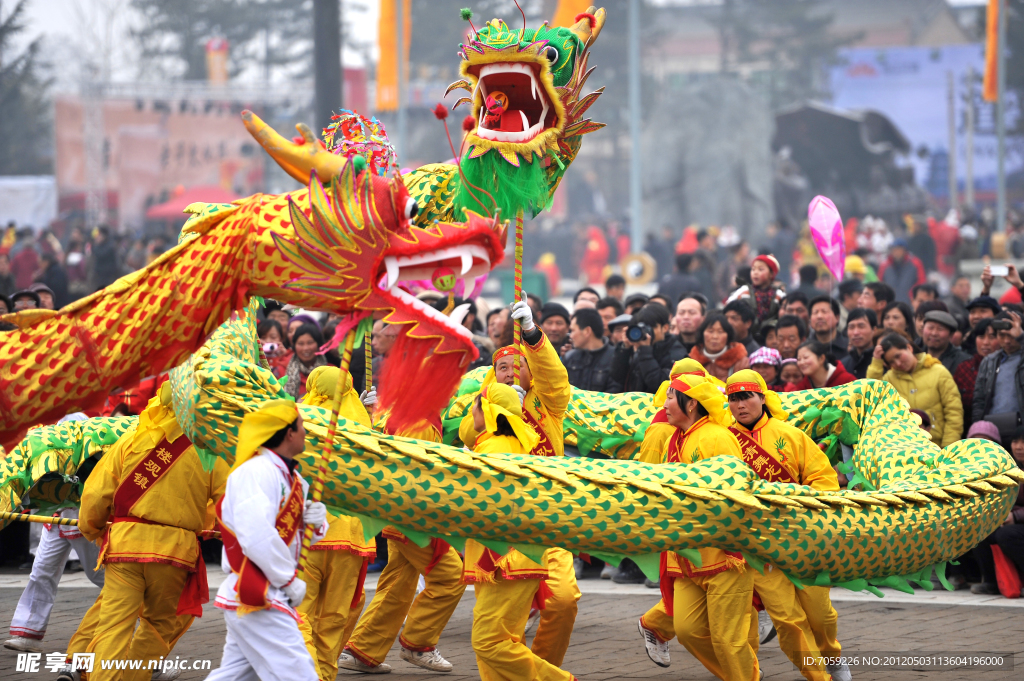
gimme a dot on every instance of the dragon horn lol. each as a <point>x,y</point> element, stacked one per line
<point>296,159</point>
<point>582,28</point>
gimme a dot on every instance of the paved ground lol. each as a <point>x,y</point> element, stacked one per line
<point>606,645</point>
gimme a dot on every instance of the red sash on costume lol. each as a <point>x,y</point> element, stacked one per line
<point>757,457</point>
<point>544,446</point>
<point>146,474</point>
<point>252,584</point>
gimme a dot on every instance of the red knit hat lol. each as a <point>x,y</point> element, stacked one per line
<point>770,262</point>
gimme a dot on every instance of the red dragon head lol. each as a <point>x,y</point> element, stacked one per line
<point>348,246</point>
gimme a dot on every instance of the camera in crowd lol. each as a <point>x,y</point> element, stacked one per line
<point>637,332</point>
<point>1002,324</point>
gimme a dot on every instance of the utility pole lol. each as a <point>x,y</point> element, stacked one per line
<point>326,60</point>
<point>400,147</point>
<point>1000,119</point>
<point>969,140</point>
<point>951,123</point>
<point>636,193</point>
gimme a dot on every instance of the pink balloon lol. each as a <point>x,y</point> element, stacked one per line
<point>827,232</point>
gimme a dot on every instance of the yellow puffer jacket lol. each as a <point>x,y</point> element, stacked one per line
<point>930,388</point>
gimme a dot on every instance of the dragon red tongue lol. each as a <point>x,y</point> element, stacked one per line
<point>417,382</point>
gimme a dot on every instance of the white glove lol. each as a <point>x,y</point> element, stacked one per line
<point>369,398</point>
<point>315,514</point>
<point>295,591</point>
<point>524,314</point>
<point>521,392</point>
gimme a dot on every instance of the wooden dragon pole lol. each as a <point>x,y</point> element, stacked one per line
<point>317,488</point>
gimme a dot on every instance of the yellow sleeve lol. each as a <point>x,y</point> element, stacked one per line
<point>550,379</point>
<point>98,492</point>
<point>467,430</point>
<point>815,470</point>
<point>952,408</point>
<point>423,431</point>
<point>654,448</point>
<point>725,444</point>
<point>876,369</point>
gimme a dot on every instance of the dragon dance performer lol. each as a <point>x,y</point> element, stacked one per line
<point>545,389</point>
<point>262,516</point>
<point>147,500</point>
<point>508,585</point>
<point>779,452</point>
<point>32,614</point>
<point>336,565</point>
<point>425,615</point>
<point>710,605</point>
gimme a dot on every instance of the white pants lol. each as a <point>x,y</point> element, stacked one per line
<point>265,645</point>
<point>33,611</point>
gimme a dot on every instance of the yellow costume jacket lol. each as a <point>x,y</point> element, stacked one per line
<point>546,400</point>
<point>703,440</point>
<point>163,524</point>
<point>795,450</point>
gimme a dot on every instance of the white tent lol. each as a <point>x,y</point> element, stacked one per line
<point>28,200</point>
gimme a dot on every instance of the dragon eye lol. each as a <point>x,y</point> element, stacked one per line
<point>551,53</point>
<point>412,209</point>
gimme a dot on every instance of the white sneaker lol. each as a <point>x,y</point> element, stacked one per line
<point>430,659</point>
<point>67,674</point>
<point>656,650</point>
<point>839,672</point>
<point>165,675</point>
<point>532,621</point>
<point>765,628</point>
<point>347,661</point>
<point>26,645</point>
<point>607,571</point>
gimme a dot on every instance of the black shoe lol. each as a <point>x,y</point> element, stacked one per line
<point>27,565</point>
<point>651,585</point>
<point>73,566</point>
<point>985,588</point>
<point>628,573</point>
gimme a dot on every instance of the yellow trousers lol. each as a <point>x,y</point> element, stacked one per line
<point>86,628</point>
<point>499,619</point>
<point>558,617</point>
<point>711,617</point>
<point>822,618</point>
<point>148,592</point>
<point>425,617</point>
<point>328,616</point>
<point>660,622</point>
<point>781,599</point>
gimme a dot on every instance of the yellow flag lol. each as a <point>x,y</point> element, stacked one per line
<point>565,13</point>
<point>387,65</point>
<point>990,86</point>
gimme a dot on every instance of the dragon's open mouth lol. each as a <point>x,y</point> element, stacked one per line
<point>467,261</point>
<point>526,109</point>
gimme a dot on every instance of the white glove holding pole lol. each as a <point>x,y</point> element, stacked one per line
<point>521,392</point>
<point>521,311</point>
<point>369,399</point>
<point>315,514</point>
<point>295,591</point>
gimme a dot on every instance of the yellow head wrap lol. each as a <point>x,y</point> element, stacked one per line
<point>749,380</point>
<point>157,421</point>
<point>260,425</point>
<point>683,366</point>
<point>499,399</point>
<point>320,387</point>
<point>708,394</point>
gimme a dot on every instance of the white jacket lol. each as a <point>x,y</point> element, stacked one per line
<point>254,495</point>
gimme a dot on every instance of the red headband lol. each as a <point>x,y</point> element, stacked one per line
<point>507,351</point>
<point>743,388</point>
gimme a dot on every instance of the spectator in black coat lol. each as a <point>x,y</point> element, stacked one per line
<point>741,317</point>
<point>860,332</point>
<point>642,365</point>
<point>589,363</point>
<point>56,279</point>
<point>105,262</point>
<point>673,286</point>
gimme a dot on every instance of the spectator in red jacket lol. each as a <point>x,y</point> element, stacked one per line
<point>901,270</point>
<point>813,357</point>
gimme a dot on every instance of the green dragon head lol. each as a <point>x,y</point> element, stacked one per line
<point>525,89</point>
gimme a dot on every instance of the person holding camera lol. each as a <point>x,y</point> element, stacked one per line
<point>644,360</point>
<point>999,390</point>
<point>717,349</point>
